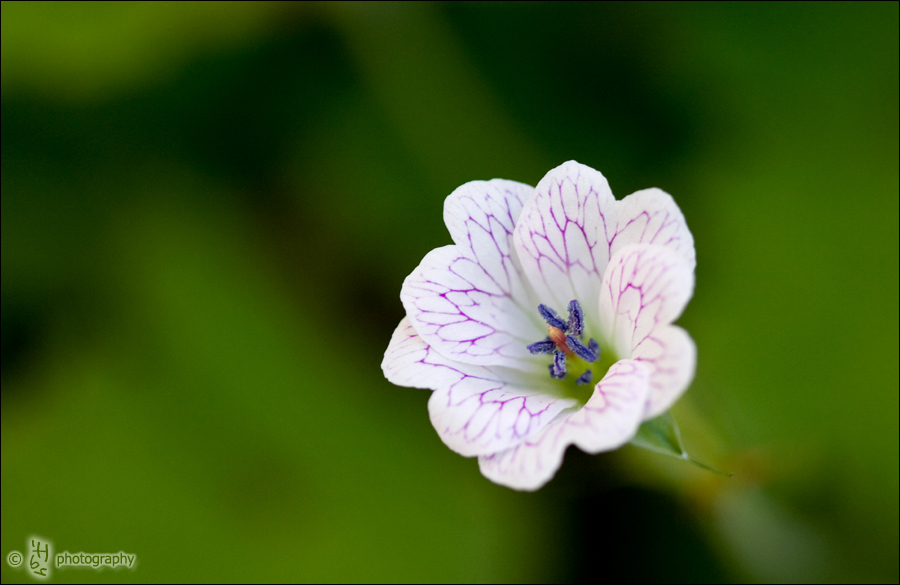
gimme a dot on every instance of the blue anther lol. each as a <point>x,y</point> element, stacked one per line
<point>576,318</point>
<point>580,349</point>
<point>594,347</point>
<point>539,347</point>
<point>551,317</point>
<point>584,378</point>
<point>558,367</point>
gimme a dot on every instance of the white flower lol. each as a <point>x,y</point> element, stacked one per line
<point>473,320</point>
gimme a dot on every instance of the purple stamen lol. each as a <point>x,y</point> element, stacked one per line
<point>558,367</point>
<point>580,349</point>
<point>576,318</point>
<point>584,378</point>
<point>551,317</point>
<point>539,347</point>
<point>594,347</point>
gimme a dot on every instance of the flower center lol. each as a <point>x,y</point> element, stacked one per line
<point>564,341</point>
<point>571,358</point>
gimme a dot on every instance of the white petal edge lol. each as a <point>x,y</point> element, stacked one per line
<point>671,357</point>
<point>651,216</point>
<point>609,420</point>
<point>475,409</point>
<point>469,301</point>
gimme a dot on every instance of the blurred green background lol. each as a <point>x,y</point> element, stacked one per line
<point>208,210</point>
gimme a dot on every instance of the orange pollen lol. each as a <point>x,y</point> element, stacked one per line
<point>559,338</point>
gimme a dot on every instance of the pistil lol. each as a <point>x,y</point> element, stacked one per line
<point>558,337</point>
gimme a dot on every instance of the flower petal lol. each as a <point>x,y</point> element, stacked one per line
<point>651,216</point>
<point>475,409</point>
<point>562,237</point>
<point>671,356</point>
<point>573,225</point>
<point>469,301</point>
<point>609,420</point>
<point>644,287</point>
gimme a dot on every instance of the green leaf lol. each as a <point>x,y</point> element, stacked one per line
<point>661,435</point>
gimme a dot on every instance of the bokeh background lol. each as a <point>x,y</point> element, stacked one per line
<point>208,210</point>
